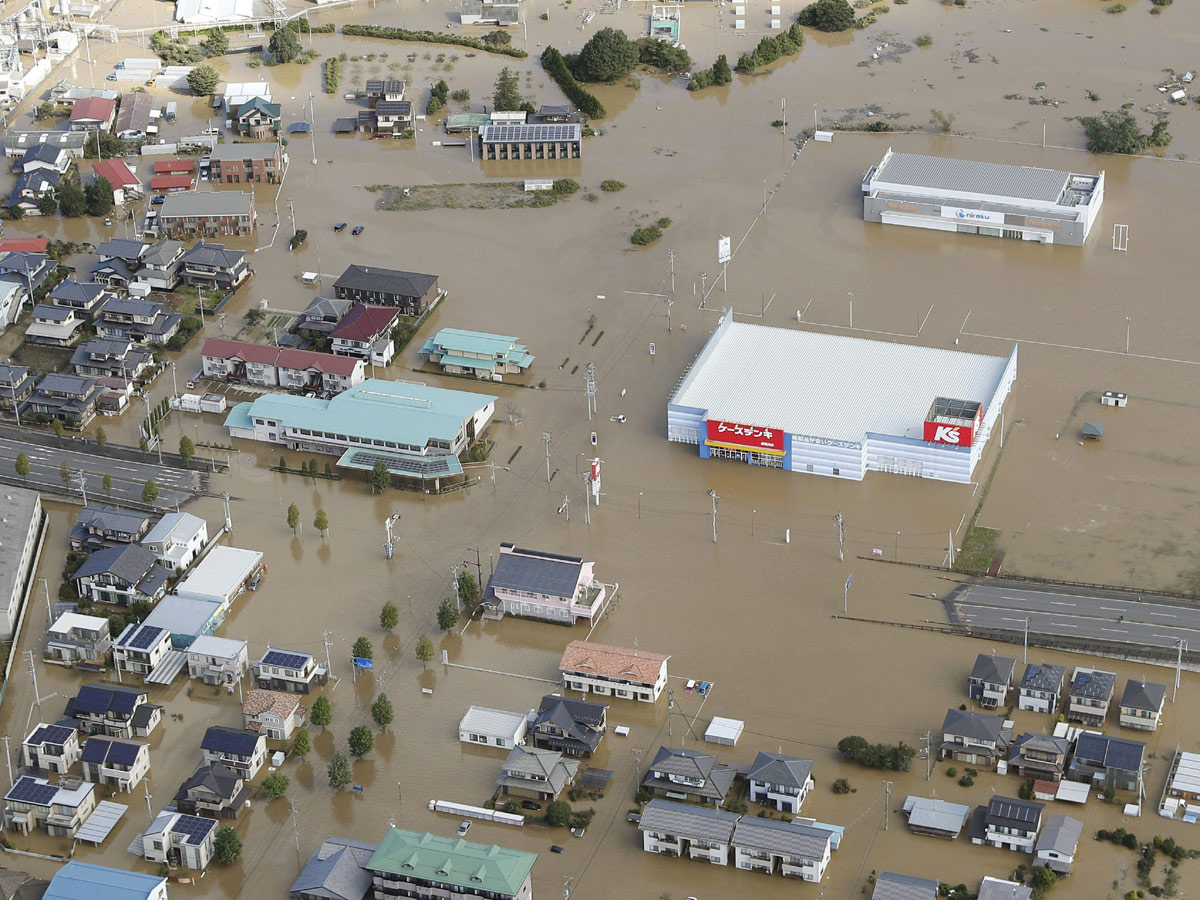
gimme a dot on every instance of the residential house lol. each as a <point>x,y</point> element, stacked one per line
<point>780,781</point>
<point>790,848</point>
<point>85,881</point>
<point>217,660</point>
<point>336,871</point>
<point>241,750</point>
<point>492,727</point>
<point>257,119</point>
<point>84,297</point>
<point>1108,762</point>
<point>991,680</point>
<point>117,762</point>
<point>890,886</point>
<point>30,189</point>
<point>272,713</point>
<point>18,885</point>
<point>999,889</point>
<point>112,358</point>
<point>676,829</point>
<point>412,864</point>
<point>54,326</point>
<point>176,540</point>
<point>1057,844</point>
<point>244,163</point>
<point>393,118</point>
<point>540,585</point>
<point>133,118</point>
<point>17,143</point>
<point>44,157</point>
<point>176,839</point>
<point>51,748</point>
<point>556,114</point>
<point>389,90</point>
<point>119,259</point>
<point>1010,823</point>
<point>78,638</point>
<point>114,709</point>
<point>1039,756</point>
<point>126,186</point>
<point>174,166</point>
<point>935,818</point>
<point>365,332</point>
<point>24,244</point>
<point>93,114</point>
<point>285,670</point>
<point>141,649</point>
<point>536,774</point>
<point>107,526</point>
<point>69,398</point>
<point>207,213</point>
<point>298,370</point>
<point>1142,705</point>
<point>688,775</point>
<point>171,184</point>
<point>122,575</point>
<point>973,738</point>
<point>611,671</point>
<point>161,267</point>
<point>140,321</point>
<point>238,92</point>
<point>16,387</point>
<point>25,268</point>
<point>12,298</point>
<point>213,790</point>
<point>59,808</point>
<point>212,267</point>
<point>409,292</point>
<point>321,316</point>
<point>476,353</point>
<point>1090,694</point>
<point>573,727</point>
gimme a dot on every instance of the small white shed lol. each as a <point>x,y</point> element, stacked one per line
<point>724,731</point>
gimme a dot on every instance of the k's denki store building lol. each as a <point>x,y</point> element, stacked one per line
<point>838,406</point>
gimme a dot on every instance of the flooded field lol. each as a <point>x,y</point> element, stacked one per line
<point>749,613</point>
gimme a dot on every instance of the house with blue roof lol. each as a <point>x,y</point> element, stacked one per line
<point>85,881</point>
<point>241,750</point>
<point>476,353</point>
<point>116,710</point>
<point>117,762</point>
<point>54,748</point>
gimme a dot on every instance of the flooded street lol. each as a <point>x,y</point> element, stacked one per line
<point>749,613</point>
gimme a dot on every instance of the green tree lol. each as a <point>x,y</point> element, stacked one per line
<point>301,743</point>
<point>56,426</point>
<point>360,740</point>
<point>284,45</point>
<point>216,44</point>
<point>64,472</point>
<point>507,95</point>
<point>321,713</point>
<point>721,73</point>
<point>15,213</point>
<point>45,111</point>
<point>101,437</point>
<point>382,711</point>
<point>1044,878</point>
<point>47,205</point>
<point>186,449</point>
<point>293,517</point>
<point>827,15</point>
<point>107,146</point>
<point>275,785</point>
<point>497,38</point>
<point>1117,131</point>
<point>227,846</point>
<point>424,649</point>
<point>106,482</point>
<point>71,200</point>
<point>607,56</point>
<point>558,814</point>
<point>149,491</point>
<point>363,649</point>
<point>22,466</point>
<point>389,616</point>
<point>98,197</point>
<point>339,770</point>
<point>321,521</point>
<point>447,614</point>
<point>468,589</point>
<point>203,80</point>
<point>381,478</point>
<point>328,469</point>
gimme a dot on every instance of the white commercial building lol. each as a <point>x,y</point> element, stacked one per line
<point>836,405</point>
<point>493,727</point>
<point>21,538</point>
<point>220,576</point>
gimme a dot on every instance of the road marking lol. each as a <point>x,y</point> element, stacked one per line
<point>1165,615</point>
<point>1115,630</point>
<point>1006,619</point>
<point>1064,625</point>
<point>124,468</point>
<point>1061,603</point>
<point>1113,608</point>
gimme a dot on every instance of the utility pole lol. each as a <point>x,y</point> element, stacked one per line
<point>221,323</point>
<point>81,482</point>
<point>566,507</point>
<point>328,643</point>
<point>837,520</point>
<point>33,674</point>
<point>1180,644</point>
<point>587,506</point>
<point>49,610</point>
<point>715,498</point>
<point>846,595</point>
<point>950,547</point>
<point>637,765</point>
<point>454,581</point>
<point>1025,657</point>
<point>546,438</point>
<point>589,380</point>
<point>928,755</point>
<point>478,567</point>
<point>670,709</point>
<point>8,759</point>
<point>292,212</point>
<point>228,519</point>
<point>149,797</point>
<point>295,833</point>
<point>671,257</point>
<point>887,802</point>
<point>389,548</point>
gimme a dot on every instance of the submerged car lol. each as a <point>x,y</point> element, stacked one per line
<point>358,229</point>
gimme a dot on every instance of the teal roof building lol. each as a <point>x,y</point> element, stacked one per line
<point>424,859</point>
<point>477,353</point>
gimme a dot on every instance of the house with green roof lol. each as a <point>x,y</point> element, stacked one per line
<point>258,119</point>
<point>476,353</point>
<point>412,863</point>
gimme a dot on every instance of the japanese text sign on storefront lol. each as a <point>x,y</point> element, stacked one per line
<point>751,437</point>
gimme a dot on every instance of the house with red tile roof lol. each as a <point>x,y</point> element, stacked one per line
<point>266,366</point>
<point>366,332</point>
<point>125,183</point>
<point>93,112</point>
<point>170,183</point>
<point>609,671</point>
<point>174,166</point>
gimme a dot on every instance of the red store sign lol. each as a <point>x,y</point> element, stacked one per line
<point>956,435</point>
<point>751,437</point>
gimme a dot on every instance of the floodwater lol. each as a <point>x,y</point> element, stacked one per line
<point>749,612</point>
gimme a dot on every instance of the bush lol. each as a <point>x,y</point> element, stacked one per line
<point>558,814</point>
<point>841,786</point>
<point>1117,131</point>
<point>275,785</point>
<point>565,186</point>
<point>924,40</point>
<point>331,75</point>
<point>662,56</point>
<point>611,185</point>
<point>462,95</point>
<point>770,49</point>
<point>877,756</point>
<point>556,68</point>
<point>497,38</point>
<point>827,15</point>
<point>607,56</point>
<point>644,236</point>
<point>429,37</point>
<point>297,239</point>
<point>967,780</point>
<point>951,772</point>
<point>227,846</point>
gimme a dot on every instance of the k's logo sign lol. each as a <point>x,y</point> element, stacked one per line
<point>946,434</point>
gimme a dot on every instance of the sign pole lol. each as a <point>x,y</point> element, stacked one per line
<point>846,595</point>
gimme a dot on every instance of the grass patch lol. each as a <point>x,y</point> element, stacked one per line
<point>490,195</point>
<point>978,550</point>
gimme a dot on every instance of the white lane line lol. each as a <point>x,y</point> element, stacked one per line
<point>124,468</point>
<point>1165,615</point>
<point>1064,625</point>
<point>1112,608</point>
<point>1061,603</point>
<point>1006,619</point>
<point>1114,630</point>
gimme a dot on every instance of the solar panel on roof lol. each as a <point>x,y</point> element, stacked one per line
<point>144,637</point>
<point>223,740</point>
<point>435,465</point>
<point>54,734</point>
<point>285,659</point>
<point>195,827</point>
<point>27,790</point>
<point>508,133</point>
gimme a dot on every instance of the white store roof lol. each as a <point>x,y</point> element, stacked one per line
<point>829,385</point>
<point>1187,774</point>
<point>482,720</point>
<point>219,575</point>
<point>69,620</point>
<point>222,648</point>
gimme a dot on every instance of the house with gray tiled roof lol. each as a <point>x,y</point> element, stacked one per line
<point>991,680</point>
<point>573,727</point>
<point>688,775</point>
<point>1057,843</point>
<point>890,886</point>
<point>973,738</point>
<point>1039,756</point>
<point>676,829</point>
<point>335,871</point>
<point>214,790</point>
<point>780,781</point>
<point>1090,694</point>
<point>1040,688</point>
<point>410,292</point>
<point>122,575</point>
<point>536,774</point>
<point>1142,705</point>
<point>793,849</point>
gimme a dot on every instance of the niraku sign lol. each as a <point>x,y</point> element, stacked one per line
<point>744,437</point>
<point>973,215</point>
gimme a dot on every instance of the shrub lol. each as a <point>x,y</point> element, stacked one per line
<point>607,56</point>
<point>827,15</point>
<point>331,75</point>
<point>877,756</point>
<point>558,814</point>
<point>556,68</point>
<point>662,56</point>
<point>841,786</point>
<point>951,772</point>
<point>1117,131</point>
<point>967,780</point>
<point>1116,9</point>
<point>429,37</point>
<point>924,40</point>
<point>275,785</point>
<point>648,235</point>
<point>462,95</point>
<point>611,185</point>
<point>565,186</point>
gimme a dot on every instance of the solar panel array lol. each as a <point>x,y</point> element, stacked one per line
<point>229,740</point>
<point>195,828</point>
<point>28,790</point>
<point>285,659</point>
<point>416,465</point>
<point>103,750</point>
<point>521,133</point>
<point>54,734</point>
<point>144,637</point>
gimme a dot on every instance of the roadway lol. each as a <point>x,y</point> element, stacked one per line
<point>128,478</point>
<point>1147,621</point>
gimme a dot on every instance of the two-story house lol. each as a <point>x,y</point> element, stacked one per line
<point>214,267</point>
<point>241,750</point>
<point>140,321</point>
<point>141,648</point>
<point>122,575</point>
<point>1108,762</point>
<point>780,781</point>
<point>365,332</point>
<point>120,258</point>
<point>336,870</point>
<point>176,540</point>
<point>93,114</point>
<point>793,849</point>
<point>106,526</point>
<point>16,387</point>
<point>1011,823</point>
<point>44,157</point>
<point>27,268</point>
<point>536,774</point>
<point>176,839</point>
<point>59,808</point>
<point>1039,756</point>
<point>676,829</point>
<point>285,670</point>
<point>386,89</point>
<point>393,118</point>
<point>117,762</point>
<point>321,316</point>
<point>1058,843</point>
<point>266,366</point>
<point>991,680</point>
<point>217,660</point>
<point>1041,687</point>
<point>51,748</point>
<point>161,267</point>
<point>893,886</point>
<point>207,213</point>
<point>477,353</point>
<point>409,292</point>
<point>244,163</point>
<point>486,727</point>
<point>122,180</point>
<point>117,358</point>
<point>258,119</point>
<point>213,790</point>
<point>114,709</point>
<point>1142,705</point>
<point>973,738</point>
<point>608,671</point>
<point>69,398</point>
<point>82,296</point>
<point>573,727</point>
<point>272,713</point>
<point>540,585</point>
<point>54,326</point>
<point>1089,696</point>
<point>29,191</point>
<point>75,637</point>
<point>688,775</point>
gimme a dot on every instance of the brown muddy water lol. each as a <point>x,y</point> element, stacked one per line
<point>749,613</point>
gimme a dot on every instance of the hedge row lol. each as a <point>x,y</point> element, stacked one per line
<point>556,68</point>
<point>428,37</point>
<point>331,75</point>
